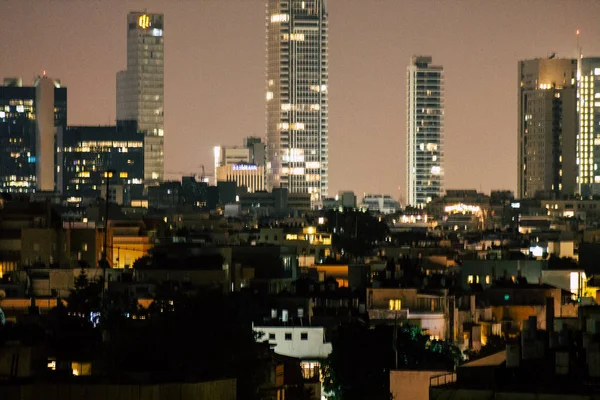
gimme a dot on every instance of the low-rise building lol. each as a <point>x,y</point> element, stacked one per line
<point>249,176</point>
<point>379,203</point>
<point>432,312</point>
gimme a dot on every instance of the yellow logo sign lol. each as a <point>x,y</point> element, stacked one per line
<point>144,21</point>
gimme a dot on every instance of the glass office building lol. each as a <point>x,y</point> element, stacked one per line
<point>19,108</point>
<point>86,153</point>
<point>425,131</point>
<point>547,128</point>
<point>588,139</point>
<point>297,80</point>
<point>140,88</point>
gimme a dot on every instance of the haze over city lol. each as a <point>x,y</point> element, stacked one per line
<point>215,68</point>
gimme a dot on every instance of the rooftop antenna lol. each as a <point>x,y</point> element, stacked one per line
<point>577,82</point>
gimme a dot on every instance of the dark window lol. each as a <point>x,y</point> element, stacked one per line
<point>304,336</point>
<point>271,336</point>
<point>288,336</point>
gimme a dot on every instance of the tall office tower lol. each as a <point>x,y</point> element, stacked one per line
<point>28,120</point>
<point>425,131</point>
<point>140,88</point>
<point>297,96</point>
<point>588,141</point>
<point>547,127</point>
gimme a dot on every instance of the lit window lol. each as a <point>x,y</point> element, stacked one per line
<point>280,18</point>
<point>487,279</point>
<point>470,279</point>
<point>395,304</point>
<point>81,369</point>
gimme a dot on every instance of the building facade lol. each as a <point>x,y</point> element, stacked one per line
<point>547,127</point>
<point>29,116</point>
<point>251,176</point>
<point>425,131</point>
<point>297,80</point>
<point>86,153</point>
<point>588,109</point>
<point>228,155</point>
<point>379,203</point>
<point>140,88</point>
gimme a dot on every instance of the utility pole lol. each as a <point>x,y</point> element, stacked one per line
<point>104,261</point>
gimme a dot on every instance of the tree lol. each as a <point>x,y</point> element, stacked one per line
<point>355,232</point>
<point>142,262</point>
<point>201,338</point>
<point>361,360</point>
<point>84,297</point>
<point>358,367</point>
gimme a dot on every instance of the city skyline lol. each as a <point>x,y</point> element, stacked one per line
<point>366,95</point>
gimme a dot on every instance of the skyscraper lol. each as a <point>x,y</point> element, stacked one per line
<point>297,81</point>
<point>140,88</point>
<point>424,131</point>
<point>29,116</point>
<point>547,127</point>
<point>588,140</point>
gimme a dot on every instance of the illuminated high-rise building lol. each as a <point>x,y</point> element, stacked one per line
<point>140,88</point>
<point>424,131</point>
<point>87,153</point>
<point>29,116</point>
<point>297,82</point>
<point>547,128</point>
<point>588,140</point>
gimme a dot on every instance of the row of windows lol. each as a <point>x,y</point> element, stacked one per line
<point>288,335</point>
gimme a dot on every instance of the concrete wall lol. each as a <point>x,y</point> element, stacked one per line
<point>411,385</point>
<point>380,298</point>
<point>441,393</point>
<point>223,390</point>
<point>529,269</point>
<point>313,347</point>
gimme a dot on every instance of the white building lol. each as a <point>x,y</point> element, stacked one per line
<point>251,154</point>
<point>44,133</point>
<point>425,131</point>
<point>380,203</point>
<point>306,343</point>
<point>250,176</point>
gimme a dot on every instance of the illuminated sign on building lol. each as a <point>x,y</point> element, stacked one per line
<point>244,167</point>
<point>462,208</point>
<point>144,21</point>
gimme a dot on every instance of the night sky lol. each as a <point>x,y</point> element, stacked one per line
<point>215,67</point>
